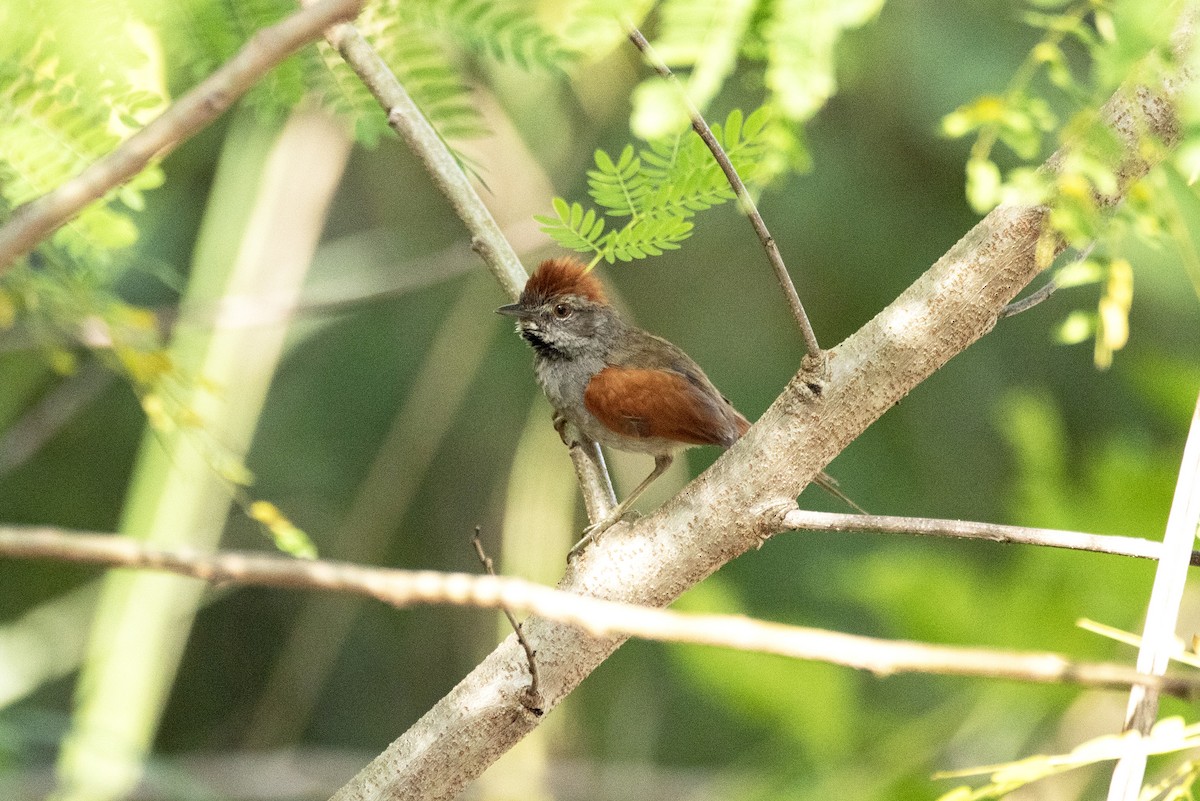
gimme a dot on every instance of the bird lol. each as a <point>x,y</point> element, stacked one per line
<point>619,385</point>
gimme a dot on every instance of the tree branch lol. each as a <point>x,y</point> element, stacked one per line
<point>486,237</point>
<point>534,700</point>
<point>747,204</point>
<point>802,520</point>
<point>34,221</point>
<point>406,119</point>
<point>743,497</point>
<point>594,617</point>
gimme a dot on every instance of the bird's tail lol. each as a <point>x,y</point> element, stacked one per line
<point>830,485</point>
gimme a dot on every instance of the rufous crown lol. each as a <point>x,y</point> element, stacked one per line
<point>562,276</point>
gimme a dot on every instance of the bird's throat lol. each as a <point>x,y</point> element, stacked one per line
<point>541,346</point>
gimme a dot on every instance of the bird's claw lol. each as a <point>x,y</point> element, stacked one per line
<point>566,434</point>
<point>593,532</point>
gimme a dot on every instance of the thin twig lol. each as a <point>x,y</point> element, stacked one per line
<point>739,188</point>
<point>37,219</point>
<point>1028,302</point>
<point>1045,291</point>
<point>486,237</point>
<point>599,618</point>
<point>803,520</point>
<point>1158,637</point>
<point>533,701</point>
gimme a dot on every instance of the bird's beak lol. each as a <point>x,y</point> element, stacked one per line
<point>513,310</point>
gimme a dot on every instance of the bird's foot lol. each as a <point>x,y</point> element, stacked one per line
<point>566,432</point>
<point>593,532</point>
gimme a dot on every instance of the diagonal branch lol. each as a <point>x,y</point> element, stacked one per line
<point>187,116</point>
<point>406,119</point>
<point>594,617</point>
<point>486,237</point>
<point>744,497</point>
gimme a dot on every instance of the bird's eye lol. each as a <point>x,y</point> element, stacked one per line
<point>562,311</point>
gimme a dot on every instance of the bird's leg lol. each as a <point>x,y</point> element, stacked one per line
<point>561,422</point>
<point>830,485</point>
<point>593,532</point>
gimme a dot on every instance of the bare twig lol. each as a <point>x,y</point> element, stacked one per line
<point>1046,290</point>
<point>739,188</point>
<point>1179,650</point>
<point>1158,638</point>
<point>34,221</point>
<point>486,237</point>
<point>1029,301</point>
<point>599,618</point>
<point>802,520</point>
<point>535,695</point>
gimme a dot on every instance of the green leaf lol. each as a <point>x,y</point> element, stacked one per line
<point>286,536</point>
<point>510,31</point>
<point>618,187</point>
<point>658,189</point>
<point>60,118</point>
<point>983,184</point>
<point>572,227</point>
<point>647,237</point>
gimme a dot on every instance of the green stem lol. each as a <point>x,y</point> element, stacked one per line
<point>265,212</point>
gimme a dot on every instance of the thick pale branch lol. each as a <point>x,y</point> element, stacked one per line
<point>740,500</point>
<point>190,114</point>
<point>597,618</point>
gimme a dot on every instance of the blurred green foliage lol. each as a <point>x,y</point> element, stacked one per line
<point>1021,428</point>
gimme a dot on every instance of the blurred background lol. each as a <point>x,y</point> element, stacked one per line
<point>387,412</point>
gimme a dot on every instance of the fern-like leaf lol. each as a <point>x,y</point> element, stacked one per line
<point>647,236</point>
<point>593,27</point>
<point>416,38</point>
<point>659,189</point>
<point>203,34</point>
<point>420,64</point>
<point>573,228</point>
<point>506,30</point>
<point>687,177</point>
<point>59,121</point>
<point>618,187</point>
<point>800,38</point>
<point>206,33</point>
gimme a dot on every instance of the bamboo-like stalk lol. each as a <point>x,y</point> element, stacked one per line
<point>266,210</point>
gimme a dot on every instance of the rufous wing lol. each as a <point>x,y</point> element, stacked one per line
<point>661,404</point>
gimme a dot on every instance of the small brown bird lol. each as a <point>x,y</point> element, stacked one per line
<point>619,385</point>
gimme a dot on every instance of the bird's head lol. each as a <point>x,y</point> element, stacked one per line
<point>563,312</point>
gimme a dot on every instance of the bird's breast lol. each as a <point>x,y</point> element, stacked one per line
<point>564,380</point>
